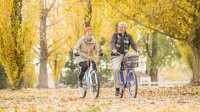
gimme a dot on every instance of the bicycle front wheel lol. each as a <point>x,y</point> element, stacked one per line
<point>132,84</point>
<point>94,84</point>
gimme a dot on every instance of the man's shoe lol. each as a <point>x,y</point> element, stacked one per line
<point>80,83</point>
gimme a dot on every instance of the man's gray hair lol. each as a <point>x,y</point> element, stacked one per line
<point>124,24</point>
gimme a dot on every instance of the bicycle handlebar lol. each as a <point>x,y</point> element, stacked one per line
<point>119,54</point>
<point>90,57</point>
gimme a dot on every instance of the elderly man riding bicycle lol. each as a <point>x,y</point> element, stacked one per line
<point>120,43</point>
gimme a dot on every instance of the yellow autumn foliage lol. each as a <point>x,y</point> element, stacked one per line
<point>15,52</point>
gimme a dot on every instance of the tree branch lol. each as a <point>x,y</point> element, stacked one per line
<point>54,23</point>
<point>189,13</point>
<point>185,21</point>
<point>55,42</point>
<point>147,45</point>
<point>37,57</point>
<point>51,6</point>
<point>45,4</point>
<point>140,23</point>
<point>34,49</point>
<point>56,48</point>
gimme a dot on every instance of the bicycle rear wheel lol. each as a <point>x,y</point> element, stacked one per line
<point>94,84</point>
<point>132,84</point>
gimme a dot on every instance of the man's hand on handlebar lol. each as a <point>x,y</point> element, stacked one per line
<point>114,51</point>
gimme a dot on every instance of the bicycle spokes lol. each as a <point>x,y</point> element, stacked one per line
<point>131,79</point>
<point>132,84</point>
<point>94,85</point>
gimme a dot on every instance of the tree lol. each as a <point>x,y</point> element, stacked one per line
<point>43,75</point>
<point>53,39</point>
<point>174,18</point>
<point>160,52</point>
<point>16,38</point>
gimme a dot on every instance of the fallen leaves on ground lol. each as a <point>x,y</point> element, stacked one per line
<point>171,99</point>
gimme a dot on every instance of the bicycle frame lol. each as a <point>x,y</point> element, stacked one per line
<point>124,82</point>
<point>87,74</point>
<point>130,76</point>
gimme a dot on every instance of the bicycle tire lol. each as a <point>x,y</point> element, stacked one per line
<point>94,84</point>
<point>132,84</point>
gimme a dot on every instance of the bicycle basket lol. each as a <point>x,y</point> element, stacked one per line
<point>131,61</point>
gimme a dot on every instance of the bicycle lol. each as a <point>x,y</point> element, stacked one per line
<point>130,61</point>
<point>90,81</point>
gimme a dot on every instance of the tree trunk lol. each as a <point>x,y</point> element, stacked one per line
<point>57,81</point>
<point>88,15</point>
<point>3,78</point>
<point>146,41</point>
<point>195,45</point>
<point>55,71</point>
<point>16,20</point>
<point>154,74</point>
<point>43,75</point>
<point>153,68</point>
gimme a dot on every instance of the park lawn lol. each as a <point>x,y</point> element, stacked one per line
<point>170,99</point>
